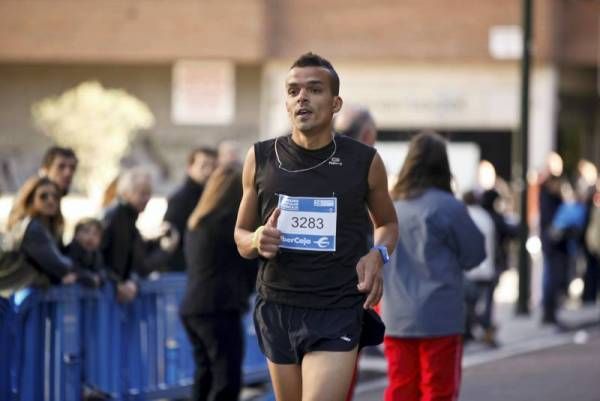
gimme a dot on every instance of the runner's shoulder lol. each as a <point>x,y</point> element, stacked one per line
<point>263,149</point>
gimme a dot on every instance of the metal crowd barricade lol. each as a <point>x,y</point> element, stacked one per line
<point>6,339</point>
<point>53,341</point>
<point>44,360</point>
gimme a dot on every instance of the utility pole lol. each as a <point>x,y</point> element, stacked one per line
<point>522,307</point>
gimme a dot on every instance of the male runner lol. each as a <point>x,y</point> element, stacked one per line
<point>310,194</point>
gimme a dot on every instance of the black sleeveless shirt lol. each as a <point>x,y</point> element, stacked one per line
<point>310,279</point>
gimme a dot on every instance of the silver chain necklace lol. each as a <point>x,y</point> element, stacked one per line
<point>280,165</point>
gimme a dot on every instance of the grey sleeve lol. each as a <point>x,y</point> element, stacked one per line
<point>467,240</point>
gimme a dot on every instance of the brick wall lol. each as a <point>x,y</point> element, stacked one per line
<point>155,31</point>
<point>390,29</point>
<point>130,31</point>
<point>580,32</point>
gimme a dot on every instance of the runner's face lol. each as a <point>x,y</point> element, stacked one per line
<point>309,101</point>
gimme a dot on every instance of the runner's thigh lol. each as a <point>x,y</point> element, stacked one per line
<point>327,375</point>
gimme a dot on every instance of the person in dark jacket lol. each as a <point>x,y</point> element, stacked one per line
<point>216,293</point>
<point>201,164</point>
<point>554,249</point>
<point>58,165</point>
<point>505,231</point>
<point>37,209</point>
<point>586,188</point>
<point>126,254</point>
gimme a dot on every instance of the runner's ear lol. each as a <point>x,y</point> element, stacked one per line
<point>337,104</point>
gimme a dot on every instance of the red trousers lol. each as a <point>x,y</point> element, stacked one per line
<point>423,369</point>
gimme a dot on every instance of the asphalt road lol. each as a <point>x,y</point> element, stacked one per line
<point>569,372</point>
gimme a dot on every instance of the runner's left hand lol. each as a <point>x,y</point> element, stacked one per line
<point>370,277</point>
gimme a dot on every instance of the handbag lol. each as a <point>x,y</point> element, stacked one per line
<point>372,329</point>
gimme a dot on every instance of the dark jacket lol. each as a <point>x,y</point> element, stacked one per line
<point>549,204</point>
<point>41,249</point>
<point>219,279</point>
<point>505,231</point>
<point>124,250</point>
<point>89,263</point>
<point>180,206</point>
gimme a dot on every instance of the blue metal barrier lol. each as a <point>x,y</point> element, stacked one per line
<point>65,336</point>
<point>6,339</point>
<point>101,339</point>
<point>45,363</point>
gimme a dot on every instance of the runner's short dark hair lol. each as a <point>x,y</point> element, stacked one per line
<point>314,60</point>
<point>55,151</point>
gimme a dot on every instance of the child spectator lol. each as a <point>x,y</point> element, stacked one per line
<point>84,249</point>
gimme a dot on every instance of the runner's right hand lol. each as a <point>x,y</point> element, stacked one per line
<point>269,237</point>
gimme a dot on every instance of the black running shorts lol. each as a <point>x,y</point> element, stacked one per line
<point>286,333</point>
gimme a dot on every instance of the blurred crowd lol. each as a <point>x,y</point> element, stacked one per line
<point>564,214</point>
<point>109,247</point>
<point>196,237</point>
<point>569,226</point>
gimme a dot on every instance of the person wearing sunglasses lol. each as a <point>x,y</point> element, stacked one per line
<point>36,212</point>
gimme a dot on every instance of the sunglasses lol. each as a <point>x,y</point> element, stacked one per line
<point>47,195</point>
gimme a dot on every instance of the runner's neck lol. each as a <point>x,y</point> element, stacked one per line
<point>312,141</point>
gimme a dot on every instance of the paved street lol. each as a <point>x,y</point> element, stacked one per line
<point>533,363</point>
<point>563,373</point>
<point>558,373</point>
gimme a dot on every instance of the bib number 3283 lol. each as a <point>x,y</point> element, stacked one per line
<point>307,223</point>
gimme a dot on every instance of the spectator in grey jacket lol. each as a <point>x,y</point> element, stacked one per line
<point>423,306</point>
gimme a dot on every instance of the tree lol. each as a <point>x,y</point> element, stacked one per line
<point>98,123</point>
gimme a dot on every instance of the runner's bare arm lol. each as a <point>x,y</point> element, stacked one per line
<point>383,215</point>
<point>381,206</point>
<point>248,212</point>
<point>250,240</point>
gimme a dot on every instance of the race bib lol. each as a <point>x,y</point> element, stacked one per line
<point>307,223</point>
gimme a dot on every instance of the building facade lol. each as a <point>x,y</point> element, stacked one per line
<point>212,70</point>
